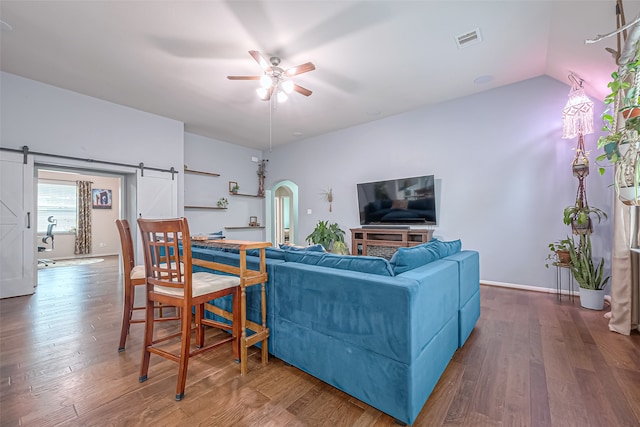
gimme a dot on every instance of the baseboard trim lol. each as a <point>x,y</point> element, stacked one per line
<point>526,287</point>
<point>607,297</point>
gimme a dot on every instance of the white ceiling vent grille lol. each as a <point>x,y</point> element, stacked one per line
<point>468,39</point>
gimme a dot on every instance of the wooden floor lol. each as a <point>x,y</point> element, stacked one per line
<point>530,361</point>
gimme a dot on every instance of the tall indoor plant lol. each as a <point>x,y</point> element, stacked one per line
<point>590,276</point>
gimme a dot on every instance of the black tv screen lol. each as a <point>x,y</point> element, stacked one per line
<point>410,201</point>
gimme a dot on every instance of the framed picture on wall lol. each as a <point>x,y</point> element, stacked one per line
<point>101,198</point>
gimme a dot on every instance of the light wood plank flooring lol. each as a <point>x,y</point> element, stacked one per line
<point>531,361</point>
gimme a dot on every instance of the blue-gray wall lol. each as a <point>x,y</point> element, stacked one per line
<point>503,170</point>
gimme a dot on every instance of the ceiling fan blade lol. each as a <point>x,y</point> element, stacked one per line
<point>243,77</point>
<point>303,68</point>
<point>264,64</point>
<point>302,90</point>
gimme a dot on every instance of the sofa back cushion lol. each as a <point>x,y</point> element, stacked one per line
<point>362,264</point>
<point>406,259</point>
<point>314,248</point>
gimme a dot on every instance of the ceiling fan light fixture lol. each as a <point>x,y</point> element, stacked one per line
<point>287,86</point>
<point>282,97</point>
<point>266,81</point>
<point>262,92</point>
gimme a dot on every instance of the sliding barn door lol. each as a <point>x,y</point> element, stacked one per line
<point>156,197</point>
<point>17,226</point>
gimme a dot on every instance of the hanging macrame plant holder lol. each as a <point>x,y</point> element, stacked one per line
<point>627,176</point>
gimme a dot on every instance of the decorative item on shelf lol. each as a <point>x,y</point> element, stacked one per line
<point>560,252</point>
<point>233,187</point>
<point>222,203</point>
<point>253,221</point>
<point>262,172</point>
<point>327,195</point>
<point>590,277</point>
<point>327,234</point>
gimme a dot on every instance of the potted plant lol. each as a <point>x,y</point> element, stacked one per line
<point>590,277</point>
<point>580,164</point>
<point>559,252</point>
<point>222,203</point>
<point>327,234</point>
<point>622,120</point>
<point>578,217</point>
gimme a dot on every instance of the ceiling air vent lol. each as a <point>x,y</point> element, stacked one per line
<point>468,39</point>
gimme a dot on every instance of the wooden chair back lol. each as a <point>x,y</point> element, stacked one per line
<point>167,260</point>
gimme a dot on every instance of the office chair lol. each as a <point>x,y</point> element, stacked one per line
<point>45,239</point>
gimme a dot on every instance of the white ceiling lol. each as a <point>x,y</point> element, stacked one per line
<point>373,58</point>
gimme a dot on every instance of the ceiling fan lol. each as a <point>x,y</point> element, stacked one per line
<point>275,79</point>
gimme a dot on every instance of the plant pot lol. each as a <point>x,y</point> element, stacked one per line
<point>564,257</point>
<point>632,112</point>
<point>629,195</point>
<point>581,228</point>
<point>580,166</point>
<point>593,299</point>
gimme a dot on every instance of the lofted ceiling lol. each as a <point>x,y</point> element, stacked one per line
<point>373,58</point>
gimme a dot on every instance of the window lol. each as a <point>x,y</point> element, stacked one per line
<point>57,199</point>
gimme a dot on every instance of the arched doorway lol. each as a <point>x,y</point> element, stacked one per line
<point>284,213</point>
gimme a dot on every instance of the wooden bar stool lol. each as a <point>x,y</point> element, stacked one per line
<point>170,281</point>
<point>133,276</point>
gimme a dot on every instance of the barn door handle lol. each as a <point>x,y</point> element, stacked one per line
<point>28,219</point>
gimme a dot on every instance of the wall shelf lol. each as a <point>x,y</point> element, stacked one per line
<point>246,227</point>
<point>203,207</point>
<point>195,172</point>
<point>246,195</point>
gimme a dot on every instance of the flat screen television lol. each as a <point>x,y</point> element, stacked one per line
<point>407,201</point>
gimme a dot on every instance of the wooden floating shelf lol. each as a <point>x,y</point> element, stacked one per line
<point>246,195</point>
<point>195,172</point>
<point>246,227</point>
<point>203,207</point>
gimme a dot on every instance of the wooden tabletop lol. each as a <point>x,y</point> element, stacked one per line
<point>232,244</point>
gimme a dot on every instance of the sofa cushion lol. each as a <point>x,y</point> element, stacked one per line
<point>406,259</point>
<point>313,248</point>
<point>362,264</point>
<point>270,252</point>
<point>449,248</point>
<point>304,257</point>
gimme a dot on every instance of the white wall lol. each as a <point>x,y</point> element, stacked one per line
<point>49,119</point>
<point>233,163</point>
<point>504,174</point>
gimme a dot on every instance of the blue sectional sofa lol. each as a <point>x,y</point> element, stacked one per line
<point>381,331</point>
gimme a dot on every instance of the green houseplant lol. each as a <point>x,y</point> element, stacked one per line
<point>590,277</point>
<point>559,252</point>
<point>621,146</point>
<point>329,235</point>
<point>578,217</point>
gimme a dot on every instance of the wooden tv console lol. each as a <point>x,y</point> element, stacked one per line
<point>384,242</point>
